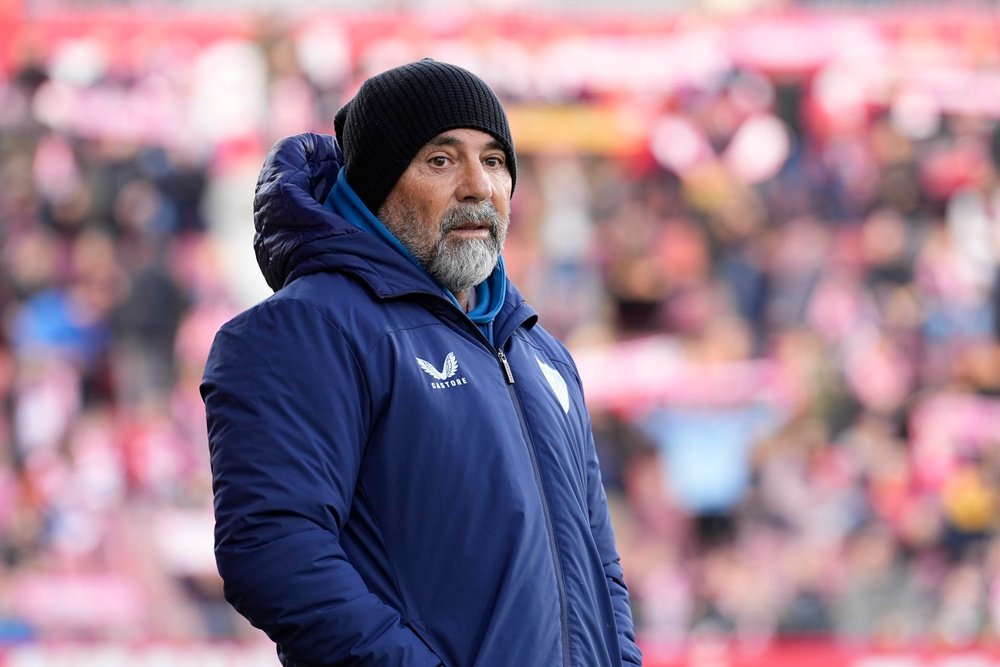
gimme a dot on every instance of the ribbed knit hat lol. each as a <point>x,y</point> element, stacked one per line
<point>398,111</point>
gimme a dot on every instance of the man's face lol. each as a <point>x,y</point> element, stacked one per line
<point>451,207</point>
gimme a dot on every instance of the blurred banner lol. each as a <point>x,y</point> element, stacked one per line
<point>617,69</point>
<point>817,653</point>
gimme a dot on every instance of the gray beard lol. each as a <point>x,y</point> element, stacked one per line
<point>457,265</point>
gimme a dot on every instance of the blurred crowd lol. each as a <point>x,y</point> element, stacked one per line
<point>794,310</point>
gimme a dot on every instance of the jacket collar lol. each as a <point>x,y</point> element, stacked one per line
<point>489,295</point>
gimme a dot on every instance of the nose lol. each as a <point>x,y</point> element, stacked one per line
<point>475,184</point>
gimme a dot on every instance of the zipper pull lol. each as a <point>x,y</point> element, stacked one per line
<point>509,374</point>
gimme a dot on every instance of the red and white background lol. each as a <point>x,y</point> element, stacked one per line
<point>769,232</point>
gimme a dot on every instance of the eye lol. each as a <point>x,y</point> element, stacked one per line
<point>493,161</point>
<point>438,161</point>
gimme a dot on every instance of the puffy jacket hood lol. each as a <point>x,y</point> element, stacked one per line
<point>295,234</point>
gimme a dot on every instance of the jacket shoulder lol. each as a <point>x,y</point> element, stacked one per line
<point>332,297</point>
<point>540,338</point>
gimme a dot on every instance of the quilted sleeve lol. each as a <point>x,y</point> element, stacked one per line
<point>288,415</point>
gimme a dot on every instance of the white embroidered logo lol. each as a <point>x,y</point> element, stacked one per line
<point>450,367</point>
<point>558,384</point>
<point>446,376</point>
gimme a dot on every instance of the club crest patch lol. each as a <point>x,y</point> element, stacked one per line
<point>557,383</point>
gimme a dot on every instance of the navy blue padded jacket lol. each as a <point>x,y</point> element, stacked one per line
<point>391,488</point>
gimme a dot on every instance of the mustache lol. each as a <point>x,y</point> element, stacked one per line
<point>483,213</point>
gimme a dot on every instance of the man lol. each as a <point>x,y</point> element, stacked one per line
<point>403,467</point>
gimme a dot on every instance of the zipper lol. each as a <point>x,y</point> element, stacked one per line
<point>507,372</point>
<point>557,564</point>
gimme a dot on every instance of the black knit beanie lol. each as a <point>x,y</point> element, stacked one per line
<point>398,111</point>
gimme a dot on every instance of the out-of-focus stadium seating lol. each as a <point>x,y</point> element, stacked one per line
<point>771,240</point>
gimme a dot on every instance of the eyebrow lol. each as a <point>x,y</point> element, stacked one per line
<point>448,140</point>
